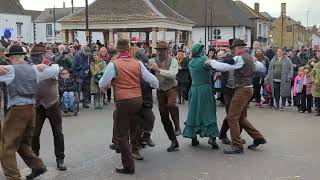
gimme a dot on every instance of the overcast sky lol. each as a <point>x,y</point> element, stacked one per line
<point>295,8</point>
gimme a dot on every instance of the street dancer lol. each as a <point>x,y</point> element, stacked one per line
<point>237,116</point>
<point>166,69</point>
<point>125,73</point>
<point>21,79</point>
<point>203,124</point>
<point>48,106</point>
<point>141,129</point>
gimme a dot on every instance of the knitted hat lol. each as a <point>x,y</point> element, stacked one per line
<point>2,49</point>
<point>38,49</point>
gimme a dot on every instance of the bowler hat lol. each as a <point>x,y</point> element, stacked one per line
<point>237,42</point>
<point>38,49</point>
<point>162,45</point>
<point>15,50</point>
<point>123,45</point>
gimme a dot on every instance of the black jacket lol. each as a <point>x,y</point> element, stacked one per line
<point>67,85</point>
<point>297,61</point>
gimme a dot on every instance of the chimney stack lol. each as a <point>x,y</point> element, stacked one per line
<point>64,4</point>
<point>283,9</point>
<point>257,7</point>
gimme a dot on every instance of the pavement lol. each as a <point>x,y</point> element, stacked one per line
<point>292,152</point>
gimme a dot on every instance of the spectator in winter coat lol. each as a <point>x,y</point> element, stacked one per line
<point>67,88</point>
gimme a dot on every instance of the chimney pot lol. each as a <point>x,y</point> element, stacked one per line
<point>283,9</point>
<point>257,7</point>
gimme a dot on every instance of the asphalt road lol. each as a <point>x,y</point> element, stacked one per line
<point>292,150</point>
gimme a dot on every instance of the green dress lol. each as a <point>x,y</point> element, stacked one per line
<point>202,118</point>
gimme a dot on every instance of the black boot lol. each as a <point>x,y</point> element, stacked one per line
<point>195,142</point>
<point>114,148</point>
<point>60,165</point>
<point>233,150</point>
<point>123,170</point>
<point>256,143</point>
<point>36,173</point>
<point>174,146</point>
<point>213,143</point>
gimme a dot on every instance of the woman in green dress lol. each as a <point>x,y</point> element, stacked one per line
<point>202,118</point>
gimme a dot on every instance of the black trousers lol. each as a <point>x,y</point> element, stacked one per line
<point>304,101</point>
<point>257,84</point>
<point>53,113</point>
<point>85,89</point>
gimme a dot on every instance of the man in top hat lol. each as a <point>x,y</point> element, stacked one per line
<point>48,106</point>
<point>166,69</point>
<point>125,75</point>
<point>244,67</point>
<point>22,81</point>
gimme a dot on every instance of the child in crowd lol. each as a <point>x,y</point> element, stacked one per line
<point>302,90</point>
<point>67,88</point>
<point>97,68</point>
<point>217,79</point>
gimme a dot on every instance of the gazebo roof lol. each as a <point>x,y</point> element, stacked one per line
<point>128,14</point>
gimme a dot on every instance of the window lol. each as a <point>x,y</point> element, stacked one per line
<point>260,30</point>
<point>19,29</point>
<point>49,29</point>
<point>289,28</point>
<point>217,34</point>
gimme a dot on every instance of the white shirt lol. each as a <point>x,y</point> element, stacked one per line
<point>110,74</point>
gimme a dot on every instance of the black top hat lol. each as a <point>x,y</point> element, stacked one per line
<point>15,50</point>
<point>237,42</point>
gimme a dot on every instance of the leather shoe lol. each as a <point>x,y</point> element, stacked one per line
<point>174,146</point>
<point>233,150</point>
<point>256,143</point>
<point>114,148</point>
<point>36,173</point>
<point>123,170</point>
<point>195,142</point>
<point>60,165</point>
<point>213,143</point>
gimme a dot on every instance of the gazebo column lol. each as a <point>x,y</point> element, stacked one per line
<point>111,35</point>
<point>189,39</point>
<point>70,36</point>
<point>65,36</point>
<point>106,36</point>
<point>154,40</point>
<point>147,36</point>
<point>177,37</point>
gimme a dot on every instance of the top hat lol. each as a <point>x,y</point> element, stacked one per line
<point>237,42</point>
<point>38,49</point>
<point>16,50</point>
<point>162,45</point>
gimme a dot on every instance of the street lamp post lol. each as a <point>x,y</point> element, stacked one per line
<point>54,24</point>
<point>87,24</point>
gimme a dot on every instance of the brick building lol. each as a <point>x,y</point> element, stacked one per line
<point>288,32</point>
